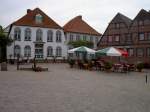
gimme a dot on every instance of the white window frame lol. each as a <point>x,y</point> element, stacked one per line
<point>27,51</point>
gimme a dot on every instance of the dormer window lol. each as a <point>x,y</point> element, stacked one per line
<point>38,19</point>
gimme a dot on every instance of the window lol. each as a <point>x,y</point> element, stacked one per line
<point>148,51</point>
<point>140,52</point>
<point>110,39</point>
<point>49,36</point>
<point>27,51</point>
<point>58,36</point>
<point>96,40</point>
<point>84,37</point>
<point>71,37</point>
<point>130,51</point>
<point>117,38</point>
<point>128,37</point>
<point>27,34</point>
<point>141,36</point>
<point>117,25</point>
<point>39,35</point>
<point>49,51</point>
<point>58,51</point>
<point>91,38</point>
<point>38,19</point>
<point>77,37</point>
<point>141,23</point>
<point>148,36</point>
<point>17,34</point>
<point>104,39</point>
<point>17,50</point>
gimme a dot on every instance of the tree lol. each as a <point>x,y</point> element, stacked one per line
<point>81,43</point>
<point>4,41</point>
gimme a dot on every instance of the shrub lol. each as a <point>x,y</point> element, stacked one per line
<point>81,43</point>
<point>108,65</point>
<point>71,62</point>
<point>140,66</point>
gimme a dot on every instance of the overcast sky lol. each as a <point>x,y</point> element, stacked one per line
<point>96,13</point>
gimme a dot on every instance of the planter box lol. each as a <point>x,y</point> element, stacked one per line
<point>3,66</point>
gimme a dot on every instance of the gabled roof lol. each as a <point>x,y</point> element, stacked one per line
<point>142,15</point>
<point>78,25</point>
<point>29,20</point>
<point>121,18</point>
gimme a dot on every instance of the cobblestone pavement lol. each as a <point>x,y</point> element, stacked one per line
<point>62,89</point>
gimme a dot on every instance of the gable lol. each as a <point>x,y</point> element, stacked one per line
<point>120,18</point>
<point>30,20</point>
<point>77,25</point>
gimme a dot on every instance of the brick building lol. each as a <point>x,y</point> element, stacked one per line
<point>131,35</point>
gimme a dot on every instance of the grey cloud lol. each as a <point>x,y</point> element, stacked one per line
<point>97,13</point>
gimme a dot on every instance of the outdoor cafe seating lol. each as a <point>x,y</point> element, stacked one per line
<point>98,63</point>
<point>124,68</point>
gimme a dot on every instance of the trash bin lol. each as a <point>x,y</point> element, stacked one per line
<point>3,66</point>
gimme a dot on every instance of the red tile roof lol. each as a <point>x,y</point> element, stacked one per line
<point>29,20</point>
<point>77,25</point>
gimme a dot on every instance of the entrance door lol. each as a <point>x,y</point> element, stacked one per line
<point>38,50</point>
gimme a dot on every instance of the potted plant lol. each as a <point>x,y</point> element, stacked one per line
<point>71,63</point>
<point>107,66</point>
<point>140,66</point>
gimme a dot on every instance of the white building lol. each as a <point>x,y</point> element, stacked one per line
<point>77,29</point>
<point>37,35</point>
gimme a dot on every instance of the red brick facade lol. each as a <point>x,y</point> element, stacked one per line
<point>130,35</point>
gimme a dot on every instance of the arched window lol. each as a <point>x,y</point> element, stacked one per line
<point>39,35</point>
<point>58,51</point>
<point>27,51</point>
<point>58,36</point>
<point>38,19</point>
<point>84,37</point>
<point>49,36</point>
<point>27,34</point>
<point>17,50</point>
<point>49,51</point>
<point>17,34</point>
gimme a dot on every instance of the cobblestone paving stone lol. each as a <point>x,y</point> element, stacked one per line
<point>62,89</point>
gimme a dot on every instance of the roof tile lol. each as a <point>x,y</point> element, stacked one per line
<point>29,20</point>
<point>77,25</point>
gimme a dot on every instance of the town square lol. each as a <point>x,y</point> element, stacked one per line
<point>75,56</point>
<point>62,89</point>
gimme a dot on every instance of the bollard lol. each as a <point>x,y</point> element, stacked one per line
<point>146,79</point>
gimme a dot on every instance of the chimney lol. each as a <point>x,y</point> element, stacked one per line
<point>28,11</point>
<point>80,17</point>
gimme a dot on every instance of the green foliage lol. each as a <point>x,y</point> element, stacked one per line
<point>4,40</point>
<point>1,29</point>
<point>81,43</point>
<point>140,66</point>
<point>71,62</point>
<point>108,65</point>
